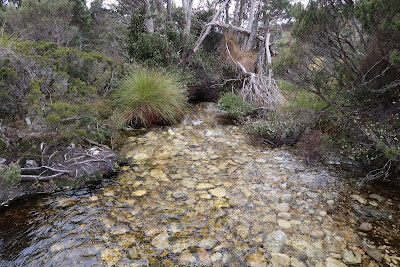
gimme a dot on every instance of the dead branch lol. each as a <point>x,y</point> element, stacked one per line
<point>96,144</point>
<point>41,168</point>
<point>207,29</point>
<point>258,89</point>
<point>27,178</point>
<point>234,28</point>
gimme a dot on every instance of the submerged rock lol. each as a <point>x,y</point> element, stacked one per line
<point>275,241</point>
<point>207,243</point>
<point>365,226</point>
<point>375,254</point>
<point>160,241</point>
<point>331,262</point>
<point>187,258</point>
<point>351,257</point>
<point>256,260</point>
<point>282,207</point>
<point>218,192</point>
<point>204,257</point>
<point>111,256</point>
<point>280,260</point>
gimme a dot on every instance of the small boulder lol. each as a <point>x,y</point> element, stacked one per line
<point>280,260</point>
<point>375,254</point>
<point>349,257</point>
<point>275,241</point>
<point>186,258</point>
<point>331,262</point>
<point>365,226</point>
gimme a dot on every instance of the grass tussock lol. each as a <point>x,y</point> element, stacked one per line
<point>150,97</point>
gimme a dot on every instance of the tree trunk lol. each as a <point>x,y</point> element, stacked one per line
<point>268,53</point>
<point>169,10</point>
<point>264,52</point>
<point>254,33</point>
<point>227,13</point>
<point>241,13</point>
<point>236,13</point>
<point>187,9</point>
<point>251,14</point>
<point>148,22</point>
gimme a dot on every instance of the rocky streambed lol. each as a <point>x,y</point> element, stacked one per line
<point>199,194</point>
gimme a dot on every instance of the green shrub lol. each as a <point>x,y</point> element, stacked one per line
<point>153,49</point>
<point>276,126</point>
<point>150,97</point>
<point>10,174</point>
<point>234,105</point>
<point>299,98</point>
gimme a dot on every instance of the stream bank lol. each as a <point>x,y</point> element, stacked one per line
<point>200,194</point>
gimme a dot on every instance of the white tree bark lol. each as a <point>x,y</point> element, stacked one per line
<point>267,49</point>
<point>148,22</point>
<point>187,6</point>
<point>251,14</point>
<point>253,34</point>
<point>268,53</point>
<point>227,13</point>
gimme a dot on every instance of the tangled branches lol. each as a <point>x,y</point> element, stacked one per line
<point>260,90</point>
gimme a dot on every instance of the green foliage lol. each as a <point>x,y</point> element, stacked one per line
<point>390,153</point>
<point>92,69</point>
<point>148,96</point>
<point>37,19</point>
<point>59,88</point>
<point>8,75</point>
<point>234,105</point>
<point>10,174</point>
<point>153,50</point>
<point>394,57</point>
<point>297,100</point>
<point>289,57</point>
<point>357,74</point>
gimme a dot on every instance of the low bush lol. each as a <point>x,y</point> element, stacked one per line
<point>52,91</point>
<point>312,145</point>
<point>276,129</point>
<point>10,174</point>
<point>234,105</point>
<point>150,97</point>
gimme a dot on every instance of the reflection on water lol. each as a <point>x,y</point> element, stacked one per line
<point>196,194</point>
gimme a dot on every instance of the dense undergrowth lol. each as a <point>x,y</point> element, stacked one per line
<point>50,90</point>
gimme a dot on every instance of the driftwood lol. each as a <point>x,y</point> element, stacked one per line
<point>71,164</point>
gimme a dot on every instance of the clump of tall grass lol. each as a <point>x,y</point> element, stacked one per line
<point>150,97</point>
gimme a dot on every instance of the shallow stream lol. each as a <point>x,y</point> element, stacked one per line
<point>201,194</point>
